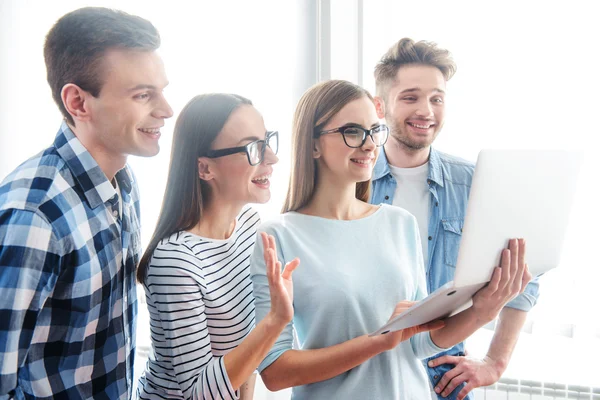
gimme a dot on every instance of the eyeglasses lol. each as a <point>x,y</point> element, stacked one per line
<point>255,151</point>
<point>356,136</point>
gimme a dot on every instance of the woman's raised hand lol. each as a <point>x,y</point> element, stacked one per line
<point>281,286</point>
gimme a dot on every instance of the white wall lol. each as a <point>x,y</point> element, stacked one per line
<point>526,78</point>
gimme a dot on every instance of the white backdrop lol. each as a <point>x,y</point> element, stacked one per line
<point>526,79</point>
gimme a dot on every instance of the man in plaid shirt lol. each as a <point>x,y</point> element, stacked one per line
<point>69,217</point>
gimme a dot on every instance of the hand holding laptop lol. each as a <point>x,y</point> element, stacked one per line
<point>545,181</point>
<point>394,338</point>
<point>508,281</point>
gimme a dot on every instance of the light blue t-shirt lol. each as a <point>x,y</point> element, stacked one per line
<point>351,276</point>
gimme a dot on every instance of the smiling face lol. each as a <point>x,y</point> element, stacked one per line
<point>130,109</point>
<point>234,179</point>
<point>414,106</point>
<point>336,160</point>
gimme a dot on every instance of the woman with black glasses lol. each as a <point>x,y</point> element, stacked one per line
<point>195,270</point>
<point>360,264</point>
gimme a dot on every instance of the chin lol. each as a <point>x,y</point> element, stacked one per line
<point>146,152</point>
<point>363,177</point>
<point>261,198</point>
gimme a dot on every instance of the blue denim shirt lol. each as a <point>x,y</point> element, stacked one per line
<point>449,181</point>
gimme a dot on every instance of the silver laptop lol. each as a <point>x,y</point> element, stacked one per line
<point>515,194</point>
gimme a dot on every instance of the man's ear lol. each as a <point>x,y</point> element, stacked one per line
<point>76,102</point>
<point>379,107</point>
<point>205,169</point>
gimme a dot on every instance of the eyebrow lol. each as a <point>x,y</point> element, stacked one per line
<point>417,89</point>
<point>144,86</point>
<point>253,138</point>
<point>374,124</point>
<point>250,138</point>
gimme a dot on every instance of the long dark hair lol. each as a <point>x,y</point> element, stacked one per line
<point>199,123</point>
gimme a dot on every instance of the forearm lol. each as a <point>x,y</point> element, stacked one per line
<point>242,361</point>
<point>247,389</point>
<point>458,328</point>
<point>301,367</point>
<point>510,323</point>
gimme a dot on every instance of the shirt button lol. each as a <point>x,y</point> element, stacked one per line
<point>115,213</point>
<point>429,238</point>
<point>387,197</point>
<point>435,376</point>
<point>436,203</point>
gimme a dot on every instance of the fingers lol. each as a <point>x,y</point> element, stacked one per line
<point>453,384</point>
<point>443,360</point>
<point>448,381</point>
<point>522,252</point>
<point>513,246</point>
<point>505,266</point>
<point>289,268</point>
<point>402,306</point>
<point>435,325</point>
<point>526,278</point>
<point>268,244</point>
<point>273,247</point>
<point>465,391</point>
<point>265,240</point>
<point>494,284</point>
<point>518,278</point>
<point>270,267</point>
<point>427,327</point>
<point>273,264</point>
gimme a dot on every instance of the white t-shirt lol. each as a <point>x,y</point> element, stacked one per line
<point>412,194</point>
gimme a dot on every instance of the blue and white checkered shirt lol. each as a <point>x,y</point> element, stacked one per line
<point>67,277</point>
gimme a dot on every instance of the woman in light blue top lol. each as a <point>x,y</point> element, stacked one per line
<point>360,264</point>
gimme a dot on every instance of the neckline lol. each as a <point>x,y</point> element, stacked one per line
<point>374,213</point>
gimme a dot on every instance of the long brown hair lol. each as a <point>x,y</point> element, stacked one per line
<point>315,109</point>
<point>198,125</point>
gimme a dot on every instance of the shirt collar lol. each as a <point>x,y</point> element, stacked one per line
<point>88,175</point>
<point>435,167</point>
<point>382,167</point>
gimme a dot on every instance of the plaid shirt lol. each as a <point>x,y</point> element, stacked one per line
<point>67,277</point>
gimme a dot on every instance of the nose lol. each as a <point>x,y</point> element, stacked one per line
<point>163,110</point>
<point>270,156</point>
<point>424,109</point>
<point>369,144</point>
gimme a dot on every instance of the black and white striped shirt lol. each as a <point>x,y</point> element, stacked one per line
<point>199,296</point>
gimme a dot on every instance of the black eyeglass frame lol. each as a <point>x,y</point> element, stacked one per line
<point>245,149</point>
<point>366,133</point>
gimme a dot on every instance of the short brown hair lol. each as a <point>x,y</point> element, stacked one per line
<point>77,42</point>
<point>406,52</point>
<point>315,109</point>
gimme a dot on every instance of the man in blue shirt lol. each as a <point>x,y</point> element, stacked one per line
<point>69,216</point>
<point>411,86</point>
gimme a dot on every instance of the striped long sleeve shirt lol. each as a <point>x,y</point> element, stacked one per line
<point>199,297</point>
